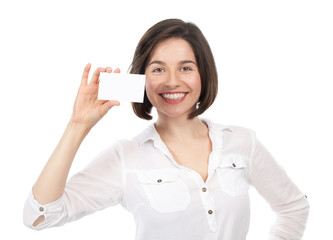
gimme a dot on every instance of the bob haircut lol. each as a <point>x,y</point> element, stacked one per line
<point>176,28</point>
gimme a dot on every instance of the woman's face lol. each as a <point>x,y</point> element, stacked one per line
<point>173,82</point>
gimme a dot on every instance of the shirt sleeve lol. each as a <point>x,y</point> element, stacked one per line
<point>286,200</point>
<point>98,186</point>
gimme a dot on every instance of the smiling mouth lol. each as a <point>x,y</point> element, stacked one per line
<point>173,96</point>
<point>176,97</point>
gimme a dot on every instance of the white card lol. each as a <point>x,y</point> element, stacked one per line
<point>121,87</point>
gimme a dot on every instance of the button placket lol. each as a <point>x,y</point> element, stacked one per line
<point>206,199</point>
<point>208,205</point>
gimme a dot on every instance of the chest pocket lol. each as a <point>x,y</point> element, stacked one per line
<point>231,176</point>
<point>165,191</point>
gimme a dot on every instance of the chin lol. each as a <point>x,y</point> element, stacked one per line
<point>174,114</point>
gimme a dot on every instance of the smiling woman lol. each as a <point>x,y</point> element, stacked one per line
<point>173,82</point>
<point>183,177</point>
<point>199,58</point>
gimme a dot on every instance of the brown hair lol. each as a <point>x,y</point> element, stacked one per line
<point>176,28</point>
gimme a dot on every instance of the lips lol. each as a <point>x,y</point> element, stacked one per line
<point>173,97</point>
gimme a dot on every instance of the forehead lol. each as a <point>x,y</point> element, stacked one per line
<point>173,49</point>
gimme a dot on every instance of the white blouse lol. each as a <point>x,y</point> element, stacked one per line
<point>172,202</point>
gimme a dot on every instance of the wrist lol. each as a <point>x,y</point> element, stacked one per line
<point>79,129</point>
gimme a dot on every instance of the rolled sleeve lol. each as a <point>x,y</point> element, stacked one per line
<point>286,200</point>
<point>33,210</point>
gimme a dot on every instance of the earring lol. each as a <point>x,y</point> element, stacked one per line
<point>197,105</point>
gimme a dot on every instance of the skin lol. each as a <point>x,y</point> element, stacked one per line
<point>87,111</point>
<point>172,68</point>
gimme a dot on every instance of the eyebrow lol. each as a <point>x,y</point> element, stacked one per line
<point>163,63</point>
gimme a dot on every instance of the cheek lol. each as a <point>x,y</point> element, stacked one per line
<point>150,87</point>
<point>195,83</point>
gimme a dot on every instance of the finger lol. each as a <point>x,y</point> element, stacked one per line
<point>85,74</point>
<point>95,77</point>
<point>113,103</point>
<point>117,70</point>
<point>108,69</point>
<point>107,105</point>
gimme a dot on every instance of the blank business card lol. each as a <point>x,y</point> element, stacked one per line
<point>121,87</point>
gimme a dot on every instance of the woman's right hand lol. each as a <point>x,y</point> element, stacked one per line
<point>88,109</point>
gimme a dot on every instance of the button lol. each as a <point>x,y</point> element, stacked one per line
<point>159,180</point>
<point>234,165</point>
<point>305,196</point>
<point>41,209</point>
<point>210,211</point>
<point>204,189</point>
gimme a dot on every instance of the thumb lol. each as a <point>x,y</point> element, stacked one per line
<point>107,105</point>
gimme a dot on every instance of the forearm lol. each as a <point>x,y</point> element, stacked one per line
<point>52,180</point>
<point>291,219</point>
<point>286,200</point>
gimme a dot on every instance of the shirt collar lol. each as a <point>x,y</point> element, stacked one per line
<point>150,133</point>
<point>216,132</point>
<point>214,127</point>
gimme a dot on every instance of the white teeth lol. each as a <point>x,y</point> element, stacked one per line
<point>173,96</point>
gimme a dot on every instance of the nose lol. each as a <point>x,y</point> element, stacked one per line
<point>172,80</point>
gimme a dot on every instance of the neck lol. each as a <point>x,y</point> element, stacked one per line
<point>183,129</point>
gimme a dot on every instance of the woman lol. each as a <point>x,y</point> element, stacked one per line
<point>183,177</point>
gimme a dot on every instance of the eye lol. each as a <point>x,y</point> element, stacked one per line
<point>185,69</point>
<point>158,70</point>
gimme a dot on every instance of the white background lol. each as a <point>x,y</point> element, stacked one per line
<point>274,60</point>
